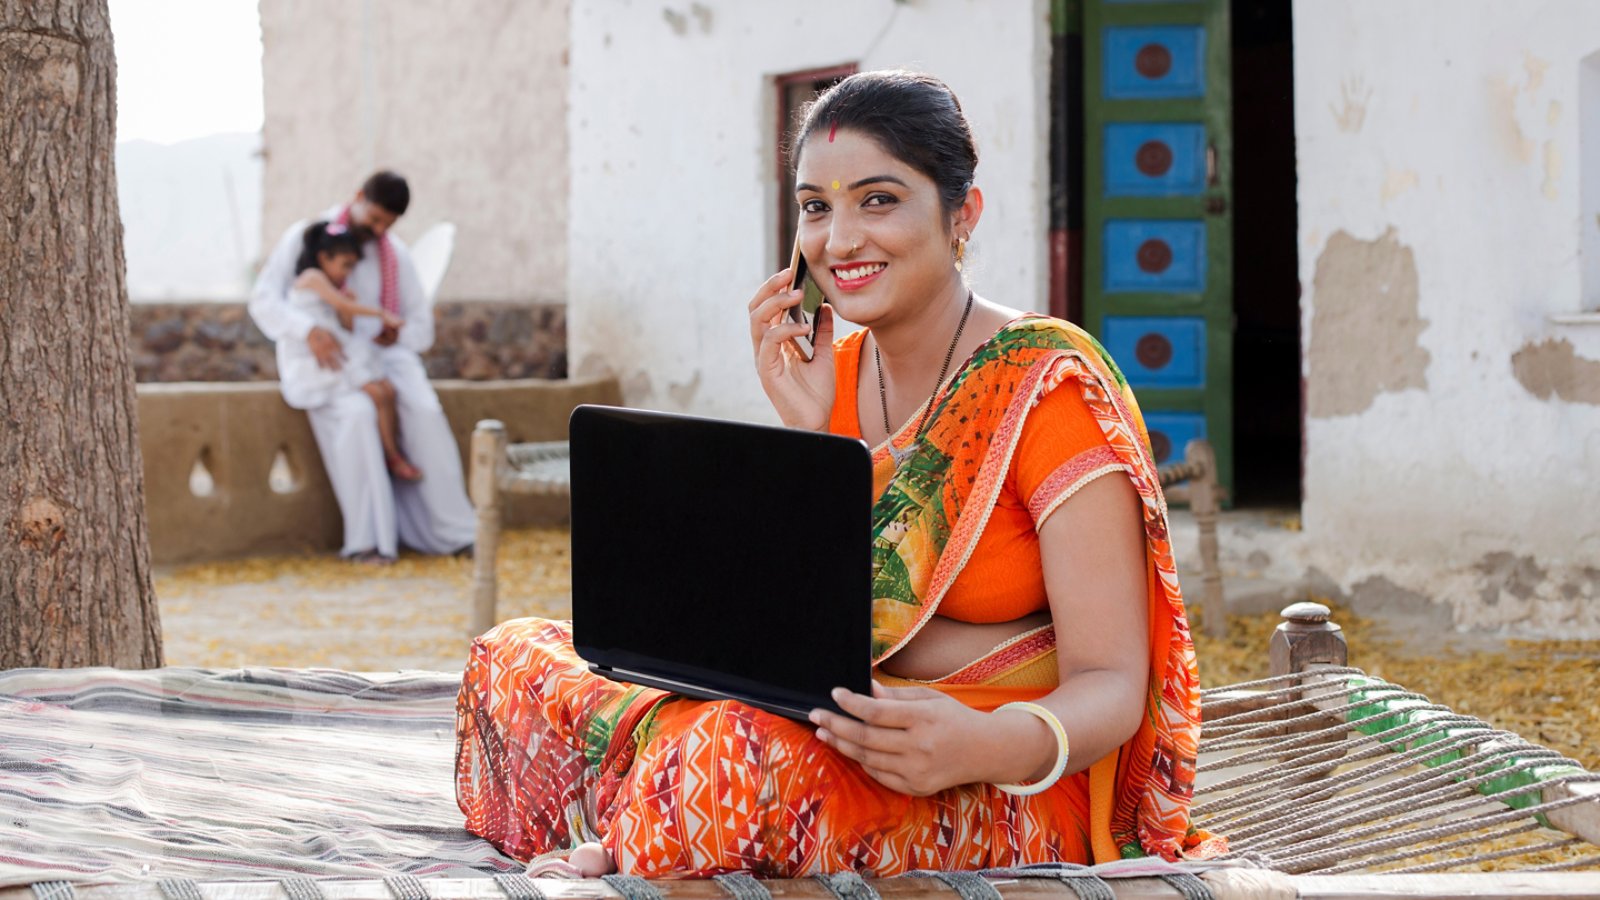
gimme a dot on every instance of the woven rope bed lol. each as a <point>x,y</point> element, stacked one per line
<point>184,784</point>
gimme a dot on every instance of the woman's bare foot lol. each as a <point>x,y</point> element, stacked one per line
<point>592,860</point>
<point>402,469</point>
<point>551,866</point>
<point>587,860</point>
<point>371,558</point>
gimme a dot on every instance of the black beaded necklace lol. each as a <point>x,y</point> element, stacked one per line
<point>900,456</point>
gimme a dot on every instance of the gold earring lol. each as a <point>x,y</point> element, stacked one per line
<point>961,251</point>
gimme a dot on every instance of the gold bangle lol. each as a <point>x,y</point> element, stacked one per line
<point>1056,771</point>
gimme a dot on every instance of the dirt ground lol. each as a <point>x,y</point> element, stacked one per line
<point>324,611</point>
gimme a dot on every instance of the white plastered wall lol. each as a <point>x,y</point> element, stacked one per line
<point>466,99</point>
<point>1451,131</point>
<point>673,167</point>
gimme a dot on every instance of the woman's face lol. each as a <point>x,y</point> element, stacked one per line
<point>872,229</point>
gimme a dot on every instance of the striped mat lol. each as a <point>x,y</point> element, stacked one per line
<point>115,776</point>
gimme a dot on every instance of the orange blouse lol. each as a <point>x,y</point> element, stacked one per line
<point>1060,450</point>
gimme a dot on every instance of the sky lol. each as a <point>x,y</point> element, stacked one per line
<point>186,68</point>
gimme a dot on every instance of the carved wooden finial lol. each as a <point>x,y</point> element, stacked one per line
<point>1306,613</point>
<point>1306,638</point>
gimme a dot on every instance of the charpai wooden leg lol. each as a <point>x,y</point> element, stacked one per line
<point>488,454</point>
<point>1305,640</point>
<point>1204,503</point>
<point>1201,492</point>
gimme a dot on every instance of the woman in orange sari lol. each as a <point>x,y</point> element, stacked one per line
<point>1035,693</point>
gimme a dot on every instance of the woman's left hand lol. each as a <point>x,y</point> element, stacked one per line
<point>913,740</point>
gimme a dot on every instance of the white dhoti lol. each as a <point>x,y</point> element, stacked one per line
<point>432,515</point>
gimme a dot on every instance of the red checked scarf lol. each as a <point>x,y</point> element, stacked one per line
<point>389,295</point>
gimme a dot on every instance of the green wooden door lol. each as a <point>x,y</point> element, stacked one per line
<point>1158,239</point>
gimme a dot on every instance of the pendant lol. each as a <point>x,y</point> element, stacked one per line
<point>900,456</point>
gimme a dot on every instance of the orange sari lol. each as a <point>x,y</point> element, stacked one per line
<point>550,754</point>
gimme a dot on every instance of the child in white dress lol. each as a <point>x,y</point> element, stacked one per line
<point>329,253</point>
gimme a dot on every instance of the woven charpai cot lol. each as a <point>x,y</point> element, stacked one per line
<point>183,783</point>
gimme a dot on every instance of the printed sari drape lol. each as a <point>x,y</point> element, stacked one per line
<point>550,754</point>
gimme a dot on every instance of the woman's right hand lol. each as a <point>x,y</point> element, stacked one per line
<point>801,391</point>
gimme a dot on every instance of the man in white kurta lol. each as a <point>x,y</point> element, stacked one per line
<point>432,515</point>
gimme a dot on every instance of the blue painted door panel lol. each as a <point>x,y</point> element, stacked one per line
<point>1155,159</point>
<point>1155,63</point>
<point>1155,255</point>
<point>1159,351</point>
<point>1158,229</point>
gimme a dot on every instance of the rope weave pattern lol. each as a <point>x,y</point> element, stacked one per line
<point>1079,879</point>
<point>970,885</point>
<point>180,889</point>
<point>1189,886</point>
<point>518,887</point>
<point>301,889</point>
<point>1088,887</point>
<point>742,886</point>
<point>1329,772</point>
<point>632,887</point>
<point>53,890</point>
<point>406,887</point>
<point>1333,771</point>
<point>539,468</point>
<point>848,886</point>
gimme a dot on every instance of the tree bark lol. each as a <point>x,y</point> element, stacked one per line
<point>74,552</point>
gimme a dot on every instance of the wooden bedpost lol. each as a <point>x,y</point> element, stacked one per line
<point>1203,503</point>
<point>1306,638</point>
<point>1194,481</point>
<point>488,454</point>
<point>1304,641</point>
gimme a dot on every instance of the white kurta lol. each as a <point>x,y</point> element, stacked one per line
<point>432,515</point>
<point>304,382</point>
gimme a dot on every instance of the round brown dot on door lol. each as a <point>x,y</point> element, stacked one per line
<point>1153,351</point>
<point>1153,159</point>
<point>1160,446</point>
<point>1153,61</point>
<point>1154,256</point>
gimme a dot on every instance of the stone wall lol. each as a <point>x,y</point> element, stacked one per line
<point>475,341</point>
<point>230,470</point>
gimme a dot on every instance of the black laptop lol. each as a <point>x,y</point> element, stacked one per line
<point>721,560</point>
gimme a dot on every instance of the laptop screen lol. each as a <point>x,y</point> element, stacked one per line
<point>729,555</point>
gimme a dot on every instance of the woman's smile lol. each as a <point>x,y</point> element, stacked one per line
<point>855,276</point>
<point>863,212</point>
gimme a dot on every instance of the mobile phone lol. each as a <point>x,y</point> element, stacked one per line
<point>808,309</point>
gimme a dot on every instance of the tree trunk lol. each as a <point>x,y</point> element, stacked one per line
<point>74,553</point>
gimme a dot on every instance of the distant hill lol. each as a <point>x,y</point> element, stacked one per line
<point>191,217</point>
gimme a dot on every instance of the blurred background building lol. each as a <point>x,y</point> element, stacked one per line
<point>1356,245</point>
<point>468,101</point>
